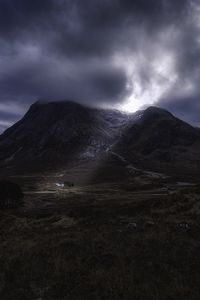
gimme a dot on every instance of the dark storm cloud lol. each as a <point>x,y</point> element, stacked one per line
<point>98,51</point>
<point>14,15</point>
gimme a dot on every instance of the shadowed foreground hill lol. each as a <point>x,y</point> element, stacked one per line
<point>102,242</point>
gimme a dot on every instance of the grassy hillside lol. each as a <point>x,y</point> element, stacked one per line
<point>102,242</point>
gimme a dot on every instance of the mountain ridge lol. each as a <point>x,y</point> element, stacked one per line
<point>57,135</point>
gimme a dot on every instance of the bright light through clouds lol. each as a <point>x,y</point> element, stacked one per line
<point>120,54</point>
<point>151,77</point>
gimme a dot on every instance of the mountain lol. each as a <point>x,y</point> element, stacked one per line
<point>59,135</point>
<point>56,134</point>
<point>159,141</point>
<point>157,133</point>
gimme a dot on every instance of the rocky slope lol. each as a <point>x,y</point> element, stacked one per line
<point>159,141</point>
<point>57,135</point>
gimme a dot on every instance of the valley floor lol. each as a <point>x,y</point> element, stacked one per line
<point>105,241</point>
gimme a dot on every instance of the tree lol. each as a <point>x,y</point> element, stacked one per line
<point>11,194</point>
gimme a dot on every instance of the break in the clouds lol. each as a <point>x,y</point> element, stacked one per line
<point>116,53</point>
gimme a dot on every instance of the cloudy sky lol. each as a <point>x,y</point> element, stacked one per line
<point>123,54</point>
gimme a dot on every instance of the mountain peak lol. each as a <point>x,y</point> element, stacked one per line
<point>61,103</point>
<point>157,110</point>
<point>56,110</point>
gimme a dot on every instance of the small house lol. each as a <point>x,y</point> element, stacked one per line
<point>64,184</point>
